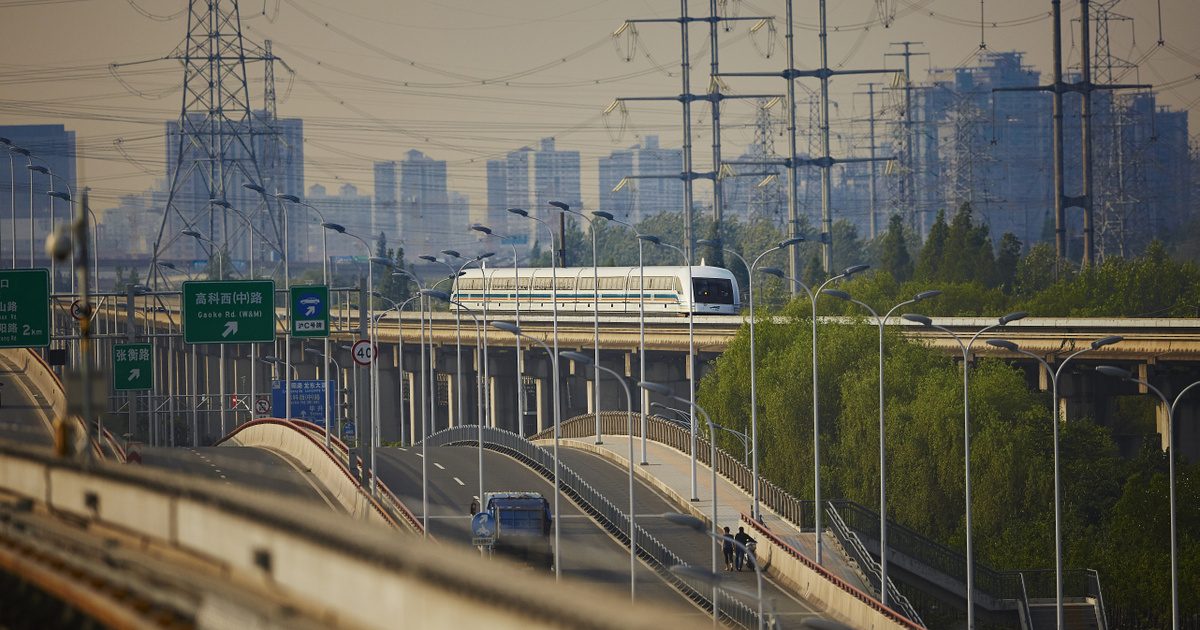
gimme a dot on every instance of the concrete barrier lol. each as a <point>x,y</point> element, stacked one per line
<point>299,441</point>
<point>815,584</point>
<point>332,567</point>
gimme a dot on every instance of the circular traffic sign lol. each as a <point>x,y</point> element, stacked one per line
<point>262,405</point>
<point>363,352</point>
<point>483,525</point>
<point>78,310</point>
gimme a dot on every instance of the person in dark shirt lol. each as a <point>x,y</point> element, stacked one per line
<point>727,547</point>
<point>746,541</point>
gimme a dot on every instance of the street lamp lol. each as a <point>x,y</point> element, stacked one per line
<point>67,197</point>
<point>641,316</point>
<point>816,392</point>
<point>521,212</point>
<point>966,353</point>
<point>516,330</point>
<point>12,193</point>
<point>663,390</point>
<point>1054,374</point>
<point>755,512</point>
<point>326,359</point>
<point>487,231</point>
<point>691,364</point>
<point>882,323</point>
<point>1171,405</point>
<point>374,341</point>
<point>276,361</point>
<point>687,520</point>
<point>583,359</point>
<point>51,177</point>
<point>481,403</point>
<point>595,312</point>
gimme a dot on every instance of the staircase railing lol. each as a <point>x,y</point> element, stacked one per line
<point>854,546</point>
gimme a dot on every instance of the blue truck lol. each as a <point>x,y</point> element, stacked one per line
<point>523,526</point>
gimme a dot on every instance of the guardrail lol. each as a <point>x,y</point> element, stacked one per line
<point>313,435</point>
<point>325,567</point>
<point>1083,583</point>
<point>867,563</point>
<point>653,552</point>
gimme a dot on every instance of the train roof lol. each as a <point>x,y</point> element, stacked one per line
<point>697,271</point>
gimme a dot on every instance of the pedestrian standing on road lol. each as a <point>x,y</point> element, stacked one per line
<point>727,547</point>
<point>746,541</point>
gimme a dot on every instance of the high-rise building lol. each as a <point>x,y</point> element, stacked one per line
<point>49,146</point>
<point>427,219</point>
<point>556,176</point>
<point>613,170</point>
<point>386,215</point>
<point>347,208</point>
<point>642,198</point>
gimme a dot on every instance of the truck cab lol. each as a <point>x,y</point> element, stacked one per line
<point>523,523</point>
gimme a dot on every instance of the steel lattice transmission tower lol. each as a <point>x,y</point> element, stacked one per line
<point>213,148</point>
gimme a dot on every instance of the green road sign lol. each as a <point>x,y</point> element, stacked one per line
<point>220,311</point>
<point>132,366</point>
<point>310,311</point>
<point>24,308</point>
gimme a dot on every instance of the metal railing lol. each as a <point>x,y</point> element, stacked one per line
<point>652,551</point>
<point>1025,605</point>
<point>868,565</point>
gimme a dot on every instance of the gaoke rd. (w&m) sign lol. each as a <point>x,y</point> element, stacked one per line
<point>220,311</point>
<point>24,308</point>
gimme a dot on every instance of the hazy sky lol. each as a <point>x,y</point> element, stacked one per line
<point>466,80</point>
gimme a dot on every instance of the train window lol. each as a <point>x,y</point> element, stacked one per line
<point>585,283</point>
<point>713,290</point>
<point>615,283</point>
<point>661,283</point>
<point>566,284</point>
<point>542,284</point>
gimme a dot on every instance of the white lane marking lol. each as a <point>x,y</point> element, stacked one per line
<point>420,455</point>
<point>223,476</point>
<point>460,481</point>
<point>440,467</point>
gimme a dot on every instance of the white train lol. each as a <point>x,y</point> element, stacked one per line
<point>712,291</point>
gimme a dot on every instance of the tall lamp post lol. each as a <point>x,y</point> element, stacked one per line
<point>1054,374</point>
<point>521,212</point>
<point>511,328</point>
<point>641,316</point>
<point>691,364</point>
<point>966,354</point>
<point>595,313</point>
<point>750,269</point>
<point>326,360</point>
<point>816,392</point>
<point>881,322</point>
<point>1171,405</point>
<point>12,196</point>
<point>663,390</point>
<point>487,231</point>
<point>583,359</point>
<point>50,176</point>
<point>454,275</point>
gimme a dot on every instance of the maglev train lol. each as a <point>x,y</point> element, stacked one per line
<point>713,290</point>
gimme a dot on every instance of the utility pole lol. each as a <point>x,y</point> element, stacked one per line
<point>825,162</point>
<point>908,193</point>
<point>873,218</point>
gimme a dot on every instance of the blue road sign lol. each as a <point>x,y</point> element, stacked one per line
<point>483,525</point>
<point>310,311</point>
<point>349,431</point>
<point>308,400</point>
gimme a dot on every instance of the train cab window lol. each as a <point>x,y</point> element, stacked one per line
<point>713,290</point>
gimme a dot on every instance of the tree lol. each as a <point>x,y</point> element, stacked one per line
<point>893,254</point>
<point>930,259</point>
<point>1007,262</point>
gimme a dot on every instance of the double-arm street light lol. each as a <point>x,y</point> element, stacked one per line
<point>37,168</point>
<point>966,354</point>
<point>1171,405</point>
<point>516,330</point>
<point>583,359</point>
<point>663,390</point>
<point>455,273</point>
<point>13,149</point>
<point>816,392</point>
<point>595,312</point>
<point>691,360</point>
<point>750,269</point>
<point>1054,374</point>
<point>881,322</point>
<point>641,315</point>
<point>489,232</point>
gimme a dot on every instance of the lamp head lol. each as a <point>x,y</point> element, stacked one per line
<point>650,238</point>
<point>1012,317</point>
<point>58,194</point>
<point>291,198</point>
<point>482,229</point>
<point>336,227</point>
<point>577,357</point>
<point>657,388</point>
<point>429,258</point>
<point>707,242</point>
<point>917,319</point>
<point>795,240</point>
<point>220,202</point>
<point>1107,341</point>
<point>255,187</point>
<point>16,149</point>
<point>507,327</point>
<point>773,271</point>
<point>314,352</point>
<point>192,233</point>
<point>166,265</point>
<point>38,168</point>
<point>381,260</point>
<point>853,269</point>
<point>561,206</point>
<point>1109,370</point>
<point>1004,344</point>
<point>603,215</point>
<point>451,253</point>
<point>485,255</point>
<point>925,295</point>
<point>435,294</point>
<point>376,294</point>
<point>837,293</point>
<point>519,211</point>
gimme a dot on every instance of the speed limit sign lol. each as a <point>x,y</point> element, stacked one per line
<point>363,352</point>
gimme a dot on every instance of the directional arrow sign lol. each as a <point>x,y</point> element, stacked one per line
<point>310,311</point>
<point>24,308</point>
<point>240,311</point>
<point>132,366</point>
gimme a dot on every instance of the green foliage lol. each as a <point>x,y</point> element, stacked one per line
<point>894,258</point>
